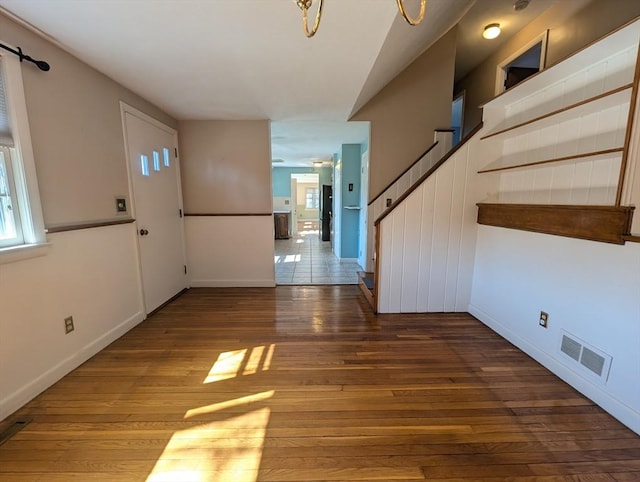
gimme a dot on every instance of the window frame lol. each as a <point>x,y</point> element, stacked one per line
<point>27,194</point>
<point>6,160</point>
<point>315,198</point>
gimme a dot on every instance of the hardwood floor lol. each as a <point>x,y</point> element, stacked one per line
<point>303,383</point>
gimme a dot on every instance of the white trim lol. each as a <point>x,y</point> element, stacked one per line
<point>23,251</point>
<point>615,407</point>
<point>501,74</point>
<point>16,400</point>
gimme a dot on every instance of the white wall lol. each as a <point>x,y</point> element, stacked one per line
<point>589,289</point>
<point>89,274</point>
<point>230,250</point>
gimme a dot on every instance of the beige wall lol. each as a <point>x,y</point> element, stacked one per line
<point>76,131</point>
<point>569,30</point>
<point>226,166</point>
<point>405,113</point>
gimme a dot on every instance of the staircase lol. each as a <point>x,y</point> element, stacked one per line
<point>402,189</point>
<point>556,156</point>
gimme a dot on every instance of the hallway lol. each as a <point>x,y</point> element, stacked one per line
<point>306,260</point>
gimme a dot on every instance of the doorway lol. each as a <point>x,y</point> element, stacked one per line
<point>524,63</point>
<point>305,203</point>
<point>457,117</point>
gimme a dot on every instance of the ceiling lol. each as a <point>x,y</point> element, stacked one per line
<point>249,59</point>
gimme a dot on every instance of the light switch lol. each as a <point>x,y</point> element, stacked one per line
<point>121,205</point>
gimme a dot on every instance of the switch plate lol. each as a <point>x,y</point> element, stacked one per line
<point>121,205</point>
<point>350,186</point>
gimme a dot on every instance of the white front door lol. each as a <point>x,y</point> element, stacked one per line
<point>157,206</point>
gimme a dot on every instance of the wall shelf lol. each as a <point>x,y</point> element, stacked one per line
<point>609,224</point>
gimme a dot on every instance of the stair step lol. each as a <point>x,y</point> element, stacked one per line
<point>366,282</point>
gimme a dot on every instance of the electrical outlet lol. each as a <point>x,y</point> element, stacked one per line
<point>68,325</point>
<point>544,319</point>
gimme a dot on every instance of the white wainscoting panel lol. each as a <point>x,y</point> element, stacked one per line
<point>90,274</point>
<point>230,251</point>
<point>401,185</point>
<point>427,242</point>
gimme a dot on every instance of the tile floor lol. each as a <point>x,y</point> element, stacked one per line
<point>306,260</point>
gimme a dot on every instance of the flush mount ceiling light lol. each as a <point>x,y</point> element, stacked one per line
<point>318,163</point>
<point>491,31</point>
<point>305,5</point>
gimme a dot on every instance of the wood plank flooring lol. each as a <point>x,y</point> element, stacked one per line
<point>305,384</point>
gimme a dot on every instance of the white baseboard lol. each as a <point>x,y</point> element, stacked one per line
<point>16,400</point>
<point>613,406</point>
<point>244,283</point>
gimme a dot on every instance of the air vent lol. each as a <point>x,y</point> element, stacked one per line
<point>571,347</point>
<point>595,361</point>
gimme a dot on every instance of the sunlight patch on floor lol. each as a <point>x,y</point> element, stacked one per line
<point>228,450</point>
<point>226,366</point>
<point>230,364</point>
<point>236,402</point>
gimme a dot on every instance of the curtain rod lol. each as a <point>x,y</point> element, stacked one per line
<point>41,64</point>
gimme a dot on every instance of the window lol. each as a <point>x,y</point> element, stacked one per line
<point>21,222</point>
<point>313,200</point>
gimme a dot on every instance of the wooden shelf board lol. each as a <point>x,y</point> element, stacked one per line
<point>608,224</point>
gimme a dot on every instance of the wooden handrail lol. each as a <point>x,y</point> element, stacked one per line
<point>428,173</point>
<point>404,172</point>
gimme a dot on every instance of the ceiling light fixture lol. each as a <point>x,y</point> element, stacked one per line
<point>305,5</point>
<point>318,163</point>
<point>491,31</point>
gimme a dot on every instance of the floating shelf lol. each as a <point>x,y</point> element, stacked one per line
<point>608,224</point>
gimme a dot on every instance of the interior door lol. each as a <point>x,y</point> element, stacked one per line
<point>155,182</point>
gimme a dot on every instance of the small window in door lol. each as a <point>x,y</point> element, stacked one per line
<point>156,161</point>
<point>144,164</point>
